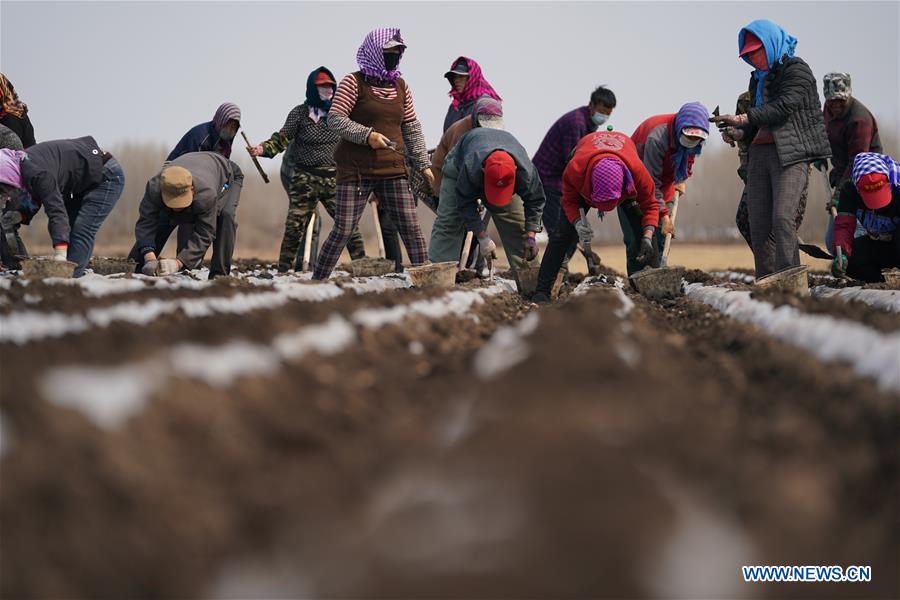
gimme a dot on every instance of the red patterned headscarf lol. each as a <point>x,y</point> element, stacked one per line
<point>476,85</point>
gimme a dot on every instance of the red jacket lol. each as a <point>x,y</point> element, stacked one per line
<point>656,145</point>
<point>577,176</point>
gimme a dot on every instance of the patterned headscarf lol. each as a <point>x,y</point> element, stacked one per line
<point>476,84</point>
<point>692,114</point>
<point>370,56</point>
<point>610,181</point>
<point>10,99</point>
<point>11,174</point>
<point>225,113</point>
<point>872,162</point>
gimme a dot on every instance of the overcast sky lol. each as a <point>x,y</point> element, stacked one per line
<point>148,71</point>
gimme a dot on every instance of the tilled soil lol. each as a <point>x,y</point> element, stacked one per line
<point>647,453</point>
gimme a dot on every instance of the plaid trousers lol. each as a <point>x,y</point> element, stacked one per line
<point>773,200</point>
<point>351,200</point>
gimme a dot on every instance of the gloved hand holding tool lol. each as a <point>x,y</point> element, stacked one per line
<point>839,264</point>
<point>585,235</point>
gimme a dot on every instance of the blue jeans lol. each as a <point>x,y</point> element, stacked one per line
<point>87,217</point>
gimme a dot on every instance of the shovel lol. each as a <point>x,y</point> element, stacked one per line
<point>664,282</point>
<point>255,161</point>
<point>593,268</point>
<point>373,267</point>
<point>307,240</point>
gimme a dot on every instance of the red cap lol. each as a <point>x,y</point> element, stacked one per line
<point>874,189</point>
<point>323,79</point>
<point>751,43</point>
<point>499,178</point>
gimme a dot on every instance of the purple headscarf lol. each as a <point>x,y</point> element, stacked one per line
<point>370,56</point>
<point>610,181</point>
<point>692,114</point>
<point>225,113</point>
<point>10,167</point>
<point>11,174</point>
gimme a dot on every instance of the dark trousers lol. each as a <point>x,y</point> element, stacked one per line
<point>871,256</point>
<point>563,237</point>
<point>223,245</point>
<point>553,216</point>
<point>630,217</point>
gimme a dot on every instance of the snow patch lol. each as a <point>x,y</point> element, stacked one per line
<point>884,299</point>
<point>110,395</point>
<point>734,276</point>
<point>25,326</point>
<point>871,353</point>
<point>506,348</point>
<point>107,395</point>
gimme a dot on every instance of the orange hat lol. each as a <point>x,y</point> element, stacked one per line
<point>323,79</point>
<point>499,178</point>
<point>751,43</point>
<point>874,189</point>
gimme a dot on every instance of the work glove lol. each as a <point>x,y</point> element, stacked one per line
<point>531,249</point>
<point>60,252</point>
<point>487,246</point>
<point>648,254</point>
<point>834,201</point>
<point>150,268</point>
<point>168,266</point>
<point>585,233</point>
<point>10,219</point>
<point>839,264</point>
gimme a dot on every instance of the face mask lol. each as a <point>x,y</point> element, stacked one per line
<point>391,60</point>
<point>325,92</point>
<point>688,142</point>
<point>599,119</point>
<point>227,134</point>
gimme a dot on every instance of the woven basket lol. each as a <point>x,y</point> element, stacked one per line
<point>792,279</point>
<point>39,267</point>
<point>441,275</point>
<point>659,284</point>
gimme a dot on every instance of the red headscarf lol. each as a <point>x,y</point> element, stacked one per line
<point>476,85</point>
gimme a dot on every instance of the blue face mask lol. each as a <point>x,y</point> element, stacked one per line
<point>599,119</point>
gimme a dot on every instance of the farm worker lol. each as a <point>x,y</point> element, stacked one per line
<point>467,86</point>
<point>213,136</point>
<point>668,145</point>
<point>605,173</point>
<point>14,113</point>
<point>872,198</point>
<point>487,113</point>
<point>851,129</point>
<point>786,132</point>
<point>76,182</point>
<point>488,164</point>
<point>198,193</point>
<point>308,169</point>
<point>374,115</point>
<point>556,148</point>
<point>742,217</point>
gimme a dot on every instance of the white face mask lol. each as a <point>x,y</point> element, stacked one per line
<point>689,142</point>
<point>490,122</point>
<point>325,92</point>
<point>599,119</point>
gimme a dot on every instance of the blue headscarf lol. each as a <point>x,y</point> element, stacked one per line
<point>778,44</point>
<point>692,114</point>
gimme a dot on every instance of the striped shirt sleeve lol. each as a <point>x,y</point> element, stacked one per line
<point>345,96</point>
